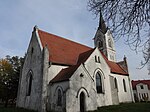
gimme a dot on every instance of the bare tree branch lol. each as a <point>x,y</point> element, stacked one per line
<point>129,19</point>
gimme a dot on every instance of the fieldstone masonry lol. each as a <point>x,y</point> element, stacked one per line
<point>78,83</point>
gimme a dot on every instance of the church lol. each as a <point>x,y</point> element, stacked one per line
<point>61,75</point>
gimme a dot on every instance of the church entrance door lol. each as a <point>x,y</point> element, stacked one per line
<point>82,102</point>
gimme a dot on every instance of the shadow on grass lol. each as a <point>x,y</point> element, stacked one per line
<point>128,107</point>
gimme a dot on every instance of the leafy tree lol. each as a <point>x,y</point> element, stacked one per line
<point>9,77</point>
<point>129,19</point>
<point>6,70</point>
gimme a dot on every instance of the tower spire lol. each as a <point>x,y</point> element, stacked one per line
<point>102,25</point>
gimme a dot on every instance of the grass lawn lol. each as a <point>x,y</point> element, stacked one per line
<point>13,109</point>
<point>128,107</point>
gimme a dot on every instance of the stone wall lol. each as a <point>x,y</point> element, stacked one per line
<point>53,96</point>
<point>84,80</point>
<point>33,62</point>
<point>123,96</point>
<point>53,70</point>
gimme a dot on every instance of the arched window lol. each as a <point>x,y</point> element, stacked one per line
<point>99,59</point>
<point>59,98</point>
<point>100,44</point>
<point>109,43</point>
<point>115,81</point>
<point>82,102</point>
<point>124,85</point>
<point>29,83</point>
<point>95,58</point>
<point>32,50</point>
<point>98,83</point>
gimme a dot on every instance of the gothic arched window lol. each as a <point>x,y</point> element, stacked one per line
<point>98,83</point>
<point>100,44</point>
<point>99,59</point>
<point>32,50</point>
<point>124,85</point>
<point>59,98</point>
<point>109,43</point>
<point>95,58</point>
<point>115,81</point>
<point>29,82</point>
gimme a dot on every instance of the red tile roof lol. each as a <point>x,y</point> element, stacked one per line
<point>67,52</point>
<point>84,56</point>
<point>66,73</point>
<point>115,67</point>
<point>62,51</point>
<point>134,83</point>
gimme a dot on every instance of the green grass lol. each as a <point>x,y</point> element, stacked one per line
<point>128,107</point>
<point>13,109</point>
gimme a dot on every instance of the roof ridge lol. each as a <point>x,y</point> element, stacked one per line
<point>65,38</point>
<point>109,63</point>
<point>61,76</point>
<point>85,57</point>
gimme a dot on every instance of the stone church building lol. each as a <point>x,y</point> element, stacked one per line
<point>64,76</point>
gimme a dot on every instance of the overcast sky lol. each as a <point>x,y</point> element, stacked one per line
<point>67,18</point>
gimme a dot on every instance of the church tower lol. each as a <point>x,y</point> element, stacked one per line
<point>104,41</point>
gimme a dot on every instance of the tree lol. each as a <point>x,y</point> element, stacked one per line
<point>149,68</point>
<point>5,77</point>
<point>9,77</point>
<point>129,19</point>
<point>148,60</point>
